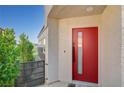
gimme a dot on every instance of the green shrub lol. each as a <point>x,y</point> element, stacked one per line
<point>9,67</point>
<point>25,48</point>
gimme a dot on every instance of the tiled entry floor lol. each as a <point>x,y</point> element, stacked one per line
<point>84,84</point>
<point>65,84</point>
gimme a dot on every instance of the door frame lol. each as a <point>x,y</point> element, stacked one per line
<point>98,53</point>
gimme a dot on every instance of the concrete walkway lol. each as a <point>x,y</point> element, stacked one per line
<point>56,84</point>
<point>65,84</point>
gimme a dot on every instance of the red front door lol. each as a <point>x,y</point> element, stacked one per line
<point>85,54</point>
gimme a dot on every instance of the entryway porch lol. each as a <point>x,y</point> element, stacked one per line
<point>60,22</point>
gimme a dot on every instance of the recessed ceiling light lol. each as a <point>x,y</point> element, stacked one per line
<point>89,9</point>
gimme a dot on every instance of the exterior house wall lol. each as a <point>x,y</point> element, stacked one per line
<point>52,50</point>
<point>111,46</point>
<point>47,11</point>
<point>109,35</point>
<point>65,42</point>
<point>122,48</point>
<point>43,36</point>
<point>109,24</point>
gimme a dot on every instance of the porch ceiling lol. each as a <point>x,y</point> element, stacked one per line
<point>66,11</point>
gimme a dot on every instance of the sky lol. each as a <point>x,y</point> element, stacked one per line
<point>28,19</point>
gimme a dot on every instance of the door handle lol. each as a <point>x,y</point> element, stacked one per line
<point>73,53</point>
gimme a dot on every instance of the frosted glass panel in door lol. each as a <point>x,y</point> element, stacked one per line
<point>80,53</point>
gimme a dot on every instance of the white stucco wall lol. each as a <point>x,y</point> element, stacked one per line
<point>60,39</point>
<point>47,9</point>
<point>111,46</point>
<point>109,24</point>
<point>122,48</point>
<point>65,42</point>
<point>52,50</point>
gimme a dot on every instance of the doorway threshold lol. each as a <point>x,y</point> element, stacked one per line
<point>84,84</point>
